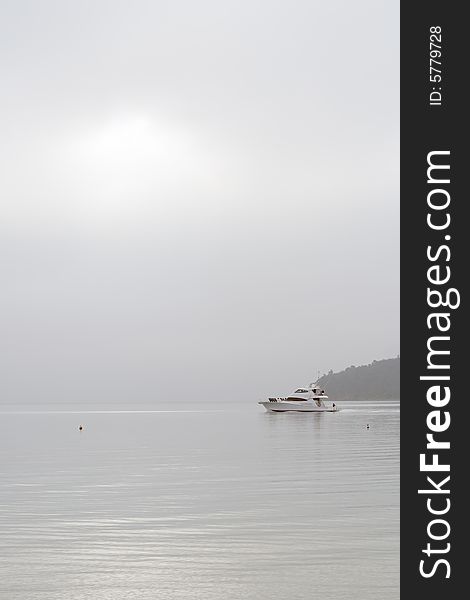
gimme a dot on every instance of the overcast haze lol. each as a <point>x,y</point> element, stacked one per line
<point>197,198</point>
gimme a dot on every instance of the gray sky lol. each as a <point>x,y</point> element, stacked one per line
<point>196,197</point>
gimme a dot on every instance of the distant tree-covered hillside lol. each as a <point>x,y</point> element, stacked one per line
<point>378,381</point>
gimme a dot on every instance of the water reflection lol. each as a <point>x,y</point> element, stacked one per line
<point>201,505</point>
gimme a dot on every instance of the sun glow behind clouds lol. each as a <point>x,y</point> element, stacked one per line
<point>121,170</point>
<point>132,164</point>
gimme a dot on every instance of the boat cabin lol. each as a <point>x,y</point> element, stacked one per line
<point>312,392</point>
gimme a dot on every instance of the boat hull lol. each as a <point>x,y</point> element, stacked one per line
<point>280,406</point>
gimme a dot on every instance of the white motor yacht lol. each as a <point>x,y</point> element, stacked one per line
<point>305,399</point>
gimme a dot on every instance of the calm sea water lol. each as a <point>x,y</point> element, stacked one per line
<point>214,503</point>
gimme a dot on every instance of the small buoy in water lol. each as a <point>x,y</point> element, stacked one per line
<point>367,425</point>
<point>81,428</point>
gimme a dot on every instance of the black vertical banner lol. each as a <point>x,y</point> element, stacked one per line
<point>434,250</point>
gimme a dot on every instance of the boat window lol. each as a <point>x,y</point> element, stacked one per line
<point>301,391</point>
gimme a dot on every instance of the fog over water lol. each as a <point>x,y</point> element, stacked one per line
<point>195,195</point>
<point>198,208</point>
